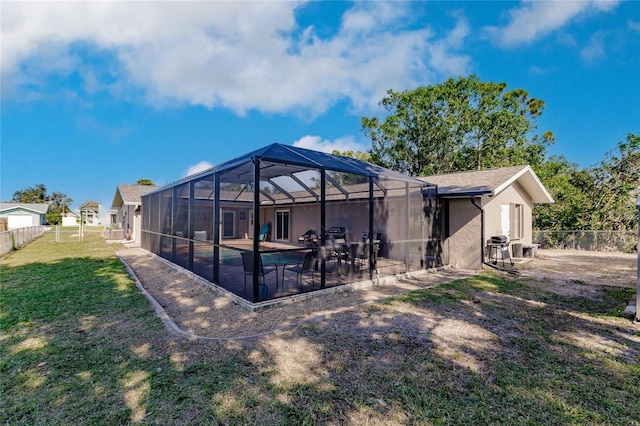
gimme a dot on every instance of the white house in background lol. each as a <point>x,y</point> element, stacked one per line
<point>485,203</point>
<point>23,215</point>
<point>127,202</point>
<point>90,213</point>
<point>70,219</point>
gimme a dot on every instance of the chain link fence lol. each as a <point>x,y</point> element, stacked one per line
<point>626,242</point>
<point>14,239</point>
<point>67,234</point>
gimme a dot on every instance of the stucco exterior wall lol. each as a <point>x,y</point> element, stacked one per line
<point>464,234</point>
<point>492,208</point>
<point>129,218</point>
<point>353,216</point>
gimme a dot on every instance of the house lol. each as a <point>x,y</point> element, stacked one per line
<point>335,221</point>
<point>89,212</point>
<point>241,224</point>
<point>70,219</point>
<point>127,202</point>
<point>23,215</point>
<point>94,213</point>
<point>480,204</point>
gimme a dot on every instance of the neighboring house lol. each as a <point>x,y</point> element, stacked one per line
<point>23,215</point>
<point>127,202</point>
<point>94,213</point>
<point>89,212</point>
<point>480,204</point>
<point>70,219</point>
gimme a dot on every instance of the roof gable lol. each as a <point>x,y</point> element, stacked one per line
<point>490,182</point>
<point>90,205</point>
<point>127,194</point>
<point>39,208</point>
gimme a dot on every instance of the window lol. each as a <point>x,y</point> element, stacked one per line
<point>282,225</point>
<point>516,213</point>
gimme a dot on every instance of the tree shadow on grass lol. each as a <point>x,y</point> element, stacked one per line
<point>476,351</point>
<point>81,345</point>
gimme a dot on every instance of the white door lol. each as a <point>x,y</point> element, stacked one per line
<point>20,221</point>
<point>505,220</point>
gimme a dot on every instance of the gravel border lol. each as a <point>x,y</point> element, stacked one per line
<point>191,307</point>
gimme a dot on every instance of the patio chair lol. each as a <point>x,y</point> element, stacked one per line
<point>308,264</point>
<point>265,269</point>
<point>362,258</point>
<point>264,232</point>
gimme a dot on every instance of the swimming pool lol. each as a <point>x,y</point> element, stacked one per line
<point>233,257</point>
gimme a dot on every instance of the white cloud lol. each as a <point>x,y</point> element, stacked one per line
<point>197,168</point>
<point>634,26</point>
<point>237,55</point>
<point>536,19</point>
<point>341,144</point>
<point>595,49</point>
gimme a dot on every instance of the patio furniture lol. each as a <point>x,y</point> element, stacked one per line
<point>308,264</point>
<point>331,257</point>
<point>336,233</point>
<point>309,238</point>
<point>363,255</point>
<point>264,232</point>
<point>265,269</point>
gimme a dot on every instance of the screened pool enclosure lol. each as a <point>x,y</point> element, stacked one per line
<point>283,220</point>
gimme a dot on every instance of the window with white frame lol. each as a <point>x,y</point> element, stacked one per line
<point>282,225</point>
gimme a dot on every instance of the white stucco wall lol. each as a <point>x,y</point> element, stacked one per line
<point>492,208</point>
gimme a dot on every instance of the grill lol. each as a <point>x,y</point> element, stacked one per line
<point>336,232</point>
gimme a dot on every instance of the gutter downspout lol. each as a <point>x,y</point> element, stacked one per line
<point>484,262</point>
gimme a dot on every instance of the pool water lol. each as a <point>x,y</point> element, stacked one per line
<point>233,258</point>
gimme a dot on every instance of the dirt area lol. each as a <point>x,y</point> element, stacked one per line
<point>198,311</point>
<point>572,272</point>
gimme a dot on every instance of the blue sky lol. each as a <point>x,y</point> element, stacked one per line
<point>100,93</point>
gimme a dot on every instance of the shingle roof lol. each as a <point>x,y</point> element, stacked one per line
<point>89,205</point>
<point>490,182</point>
<point>41,208</point>
<point>127,194</point>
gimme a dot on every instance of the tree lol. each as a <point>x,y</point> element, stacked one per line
<point>144,182</point>
<point>461,124</point>
<point>58,201</point>
<point>358,155</point>
<point>349,178</point>
<point>617,181</point>
<point>571,190</point>
<point>58,206</point>
<point>36,194</point>
<point>601,197</point>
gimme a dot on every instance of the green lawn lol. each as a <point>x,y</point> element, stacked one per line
<point>81,345</point>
